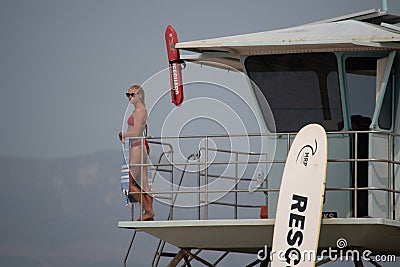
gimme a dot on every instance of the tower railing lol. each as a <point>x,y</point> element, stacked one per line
<point>221,161</point>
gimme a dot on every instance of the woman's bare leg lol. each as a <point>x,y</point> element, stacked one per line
<point>147,202</point>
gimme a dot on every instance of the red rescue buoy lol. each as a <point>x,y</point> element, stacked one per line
<point>175,68</point>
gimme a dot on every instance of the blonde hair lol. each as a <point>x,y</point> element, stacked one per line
<point>139,90</point>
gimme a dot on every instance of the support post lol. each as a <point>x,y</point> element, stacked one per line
<point>179,256</point>
<point>384,5</point>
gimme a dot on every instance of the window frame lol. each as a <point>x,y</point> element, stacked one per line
<point>378,105</point>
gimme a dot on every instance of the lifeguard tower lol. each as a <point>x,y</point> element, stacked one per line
<point>341,73</point>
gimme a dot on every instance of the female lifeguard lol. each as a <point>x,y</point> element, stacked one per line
<point>137,124</point>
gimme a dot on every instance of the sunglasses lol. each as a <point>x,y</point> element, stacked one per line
<point>129,95</point>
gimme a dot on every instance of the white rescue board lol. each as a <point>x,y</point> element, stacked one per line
<point>299,208</point>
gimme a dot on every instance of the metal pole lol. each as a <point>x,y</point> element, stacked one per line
<point>393,176</point>
<point>129,248</point>
<point>198,188</point>
<point>384,5</point>
<point>389,156</point>
<point>141,179</point>
<point>266,182</point>
<point>355,174</point>
<point>236,185</point>
<point>172,197</point>
<point>206,183</point>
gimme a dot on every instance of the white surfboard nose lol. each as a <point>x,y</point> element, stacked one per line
<point>299,208</point>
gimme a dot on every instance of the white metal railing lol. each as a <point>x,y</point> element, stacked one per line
<point>205,172</point>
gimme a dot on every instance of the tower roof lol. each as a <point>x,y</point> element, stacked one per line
<point>362,31</point>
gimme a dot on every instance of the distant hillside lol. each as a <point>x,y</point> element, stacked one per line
<point>62,212</point>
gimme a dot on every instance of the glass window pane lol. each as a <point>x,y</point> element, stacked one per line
<point>361,88</point>
<point>300,89</point>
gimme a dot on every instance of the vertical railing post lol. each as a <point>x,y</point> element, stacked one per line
<point>389,185</point>
<point>394,176</point>
<point>265,180</point>
<point>236,184</point>
<point>384,5</point>
<point>141,178</point>
<point>206,183</point>
<point>355,188</point>
<point>199,187</point>
<point>172,198</point>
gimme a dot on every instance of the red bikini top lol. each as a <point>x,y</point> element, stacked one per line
<point>131,120</point>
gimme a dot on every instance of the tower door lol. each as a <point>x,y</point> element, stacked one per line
<point>369,91</point>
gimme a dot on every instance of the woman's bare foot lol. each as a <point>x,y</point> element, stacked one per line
<point>148,215</point>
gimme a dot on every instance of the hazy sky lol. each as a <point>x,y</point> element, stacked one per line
<point>64,65</point>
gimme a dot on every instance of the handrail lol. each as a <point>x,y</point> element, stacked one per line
<point>256,162</point>
<point>234,151</point>
<point>151,138</point>
<point>389,160</point>
<point>263,190</point>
